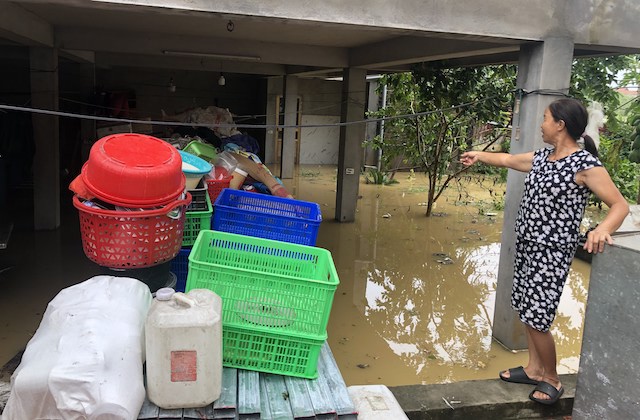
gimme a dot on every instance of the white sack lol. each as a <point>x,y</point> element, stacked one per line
<point>85,360</point>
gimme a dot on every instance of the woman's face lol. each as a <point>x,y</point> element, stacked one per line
<point>550,128</point>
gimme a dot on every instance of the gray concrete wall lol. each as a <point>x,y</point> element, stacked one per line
<point>594,22</point>
<point>609,375</point>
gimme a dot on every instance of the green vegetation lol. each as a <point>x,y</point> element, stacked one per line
<point>438,112</point>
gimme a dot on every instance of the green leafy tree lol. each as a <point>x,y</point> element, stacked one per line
<point>593,79</point>
<point>436,113</point>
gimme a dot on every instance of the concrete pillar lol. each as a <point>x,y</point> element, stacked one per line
<point>351,138</point>
<point>609,377</point>
<point>288,154</point>
<point>371,155</point>
<point>545,65</point>
<point>46,163</point>
<point>87,127</point>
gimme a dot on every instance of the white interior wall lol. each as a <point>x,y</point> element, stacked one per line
<point>319,145</point>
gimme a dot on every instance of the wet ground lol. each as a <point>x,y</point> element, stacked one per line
<point>416,297</point>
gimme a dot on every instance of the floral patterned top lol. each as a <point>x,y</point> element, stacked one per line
<point>552,203</point>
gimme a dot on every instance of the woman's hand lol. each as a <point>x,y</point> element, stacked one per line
<point>469,158</point>
<point>596,240</point>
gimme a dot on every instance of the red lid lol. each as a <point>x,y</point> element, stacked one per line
<point>134,170</point>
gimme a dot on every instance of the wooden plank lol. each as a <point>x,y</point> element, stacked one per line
<point>276,390</point>
<point>329,372</point>
<point>301,404</point>
<point>248,392</point>
<point>170,414</point>
<point>225,407</point>
<point>320,397</point>
<point>148,411</point>
<point>203,413</point>
<point>265,406</point>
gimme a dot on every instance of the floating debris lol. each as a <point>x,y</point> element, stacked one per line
<point>491,214</point>
<point>440,255</point>
<point>386,215</point>
<point>363,365</point>
<point>445,261</point>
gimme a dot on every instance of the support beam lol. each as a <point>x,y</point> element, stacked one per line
<point>351,138</point>
<point>288,152</point>
<point>46,162</point>
<point>23,27</point>
<point>545,65</point>
<point>87,127</point>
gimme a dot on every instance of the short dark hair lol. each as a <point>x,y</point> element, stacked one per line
<point>575,117</point>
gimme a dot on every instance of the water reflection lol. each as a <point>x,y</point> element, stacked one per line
<point>417,294</point>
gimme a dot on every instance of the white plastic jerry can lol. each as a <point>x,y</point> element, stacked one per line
<point>183,334</point>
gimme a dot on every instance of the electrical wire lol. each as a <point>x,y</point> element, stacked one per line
<point>254,126</point>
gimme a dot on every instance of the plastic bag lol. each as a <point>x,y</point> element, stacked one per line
<point>85,360</point>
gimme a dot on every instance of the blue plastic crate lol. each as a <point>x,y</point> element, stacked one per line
<point>180,267</point>
<point>267,216</point>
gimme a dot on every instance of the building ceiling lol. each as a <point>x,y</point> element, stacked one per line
<point>113,34</point>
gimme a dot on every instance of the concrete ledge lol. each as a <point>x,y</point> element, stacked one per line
<point>482,399</point>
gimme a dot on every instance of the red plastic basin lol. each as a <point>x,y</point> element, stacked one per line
<point>134,170</point>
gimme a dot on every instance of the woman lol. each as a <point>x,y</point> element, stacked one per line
<point>559,181</point>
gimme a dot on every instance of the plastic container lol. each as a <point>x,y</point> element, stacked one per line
<point>85,359</point>
<point>237,178</point>
<point>134,170</point>
<point>215,187</point>
<point>226,161</point>
<point>267,216</point>
<point>202,150</point>
<point>271,352</point>
<point>194,169</point>
<point>180,267</point>
<point>183,336</point>
<point>375,402</point>
<point>265,285</point>
<point>195,221</point>
<point>131,239</point>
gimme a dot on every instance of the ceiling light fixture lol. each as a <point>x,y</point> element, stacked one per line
<point>213,55</point>
<point>221,80</point>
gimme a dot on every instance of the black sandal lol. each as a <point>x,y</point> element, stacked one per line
<point>517,375</point>
<point>546,388</point>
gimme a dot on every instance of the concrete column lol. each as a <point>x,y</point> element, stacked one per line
<point>87,127</point>
<point>545,65</point>
<point>288,153</point>
<point>371,155</point>
<point>351,138</point>
<point>46,163</point>
<point>609,377</point>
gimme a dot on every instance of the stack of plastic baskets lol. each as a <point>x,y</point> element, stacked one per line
<point>267,216</point>
<point>198,217</point>
<point>277,297</point>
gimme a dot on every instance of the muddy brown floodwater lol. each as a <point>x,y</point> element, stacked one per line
<point>416,296</point>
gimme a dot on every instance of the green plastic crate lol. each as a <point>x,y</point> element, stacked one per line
<point>195,221</point>
<point>270,352</point>
<point>265,285</point>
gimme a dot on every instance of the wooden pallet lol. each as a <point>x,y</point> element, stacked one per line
<point>248,395</point>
